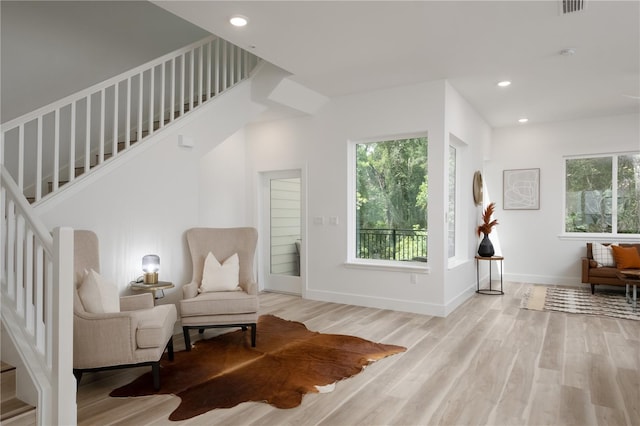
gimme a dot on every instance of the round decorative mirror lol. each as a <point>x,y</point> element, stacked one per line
<point>477,188</point>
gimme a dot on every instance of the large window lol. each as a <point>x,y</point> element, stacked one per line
<point>603,194</point>
<point>391,200</point>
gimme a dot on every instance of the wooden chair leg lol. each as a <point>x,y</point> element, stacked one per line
<point>593,289</point>
<point>253,335</point>
<point>155,370</point>
<point>78,376</point>
<point>187,339</point>
<point>170,348</point>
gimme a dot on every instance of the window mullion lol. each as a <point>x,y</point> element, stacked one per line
<point>614,195</point>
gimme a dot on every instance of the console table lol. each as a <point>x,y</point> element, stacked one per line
<point>498,260</point>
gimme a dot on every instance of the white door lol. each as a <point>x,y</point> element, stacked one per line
<point>281,247</point>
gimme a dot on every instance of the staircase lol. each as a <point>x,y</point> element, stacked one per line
<point>13,411</point>
<point>62,142</point>
<point>50,150</point>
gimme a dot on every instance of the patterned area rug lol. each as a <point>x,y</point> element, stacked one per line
<point>579,301</point>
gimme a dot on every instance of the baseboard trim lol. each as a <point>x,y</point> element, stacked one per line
<point>378,302</point>
<point>542,279</point>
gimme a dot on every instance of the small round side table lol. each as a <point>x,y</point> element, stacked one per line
<point>160,286</point>
<point>491,291</point>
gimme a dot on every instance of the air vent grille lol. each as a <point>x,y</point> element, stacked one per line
<point>570,6</point>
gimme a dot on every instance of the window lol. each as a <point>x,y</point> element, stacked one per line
<point>592,185</point>
<point>390,200</point>
<point>451,213</point>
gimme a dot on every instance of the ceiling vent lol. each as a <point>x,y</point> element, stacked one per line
<point>570,6</point>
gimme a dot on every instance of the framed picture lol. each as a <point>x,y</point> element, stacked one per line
<point>521,189</point>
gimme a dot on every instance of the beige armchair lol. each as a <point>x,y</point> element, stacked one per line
<point>239,308</point>
<point>136,336</point>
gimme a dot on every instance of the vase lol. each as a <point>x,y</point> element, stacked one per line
<point>486,248</point>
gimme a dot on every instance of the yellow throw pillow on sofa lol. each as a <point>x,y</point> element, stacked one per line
<point>626,257</point>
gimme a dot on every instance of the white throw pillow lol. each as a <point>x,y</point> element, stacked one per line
<point>603,255</point>
<point>98,295</point>
<point>217,277</point>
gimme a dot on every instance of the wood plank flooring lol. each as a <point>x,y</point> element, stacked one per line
<point>487,363</point>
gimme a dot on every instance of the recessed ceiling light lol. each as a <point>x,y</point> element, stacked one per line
<point>504,83</point>
<point>523,120</point>
<point>238,20</point>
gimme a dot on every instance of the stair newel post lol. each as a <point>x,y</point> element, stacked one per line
<point>64,392</point>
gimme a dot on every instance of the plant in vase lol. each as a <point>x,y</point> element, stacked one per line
<point>486,248</point>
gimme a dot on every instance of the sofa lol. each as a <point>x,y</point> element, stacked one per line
<point>594,274</point>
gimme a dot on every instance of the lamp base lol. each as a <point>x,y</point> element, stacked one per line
<point>151,278</point>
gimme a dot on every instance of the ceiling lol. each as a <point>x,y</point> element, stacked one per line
<point>338,48</point>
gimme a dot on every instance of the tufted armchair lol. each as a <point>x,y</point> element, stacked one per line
<point>239,308</point>
<point>136,336</point>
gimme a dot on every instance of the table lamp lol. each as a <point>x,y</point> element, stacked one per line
<point>151,266</point>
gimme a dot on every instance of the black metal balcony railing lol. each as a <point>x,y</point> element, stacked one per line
<point>391,244</point>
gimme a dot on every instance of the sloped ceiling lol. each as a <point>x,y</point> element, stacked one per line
<point>338,48</point>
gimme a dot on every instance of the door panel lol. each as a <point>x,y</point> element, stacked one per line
<point>282,231</point>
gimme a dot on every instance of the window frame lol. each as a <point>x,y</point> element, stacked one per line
<point>376,264</point>
<point>596,236</point>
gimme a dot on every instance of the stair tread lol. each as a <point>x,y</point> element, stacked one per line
<point>12,408</point>
<point>28,418</point>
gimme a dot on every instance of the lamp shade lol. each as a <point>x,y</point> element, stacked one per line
<point>151,263</point>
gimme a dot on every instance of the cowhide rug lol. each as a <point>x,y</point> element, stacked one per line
<point>287,362</point>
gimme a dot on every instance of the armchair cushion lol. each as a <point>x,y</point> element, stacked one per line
<point>98,295</point>
<point>220,277</point>
<point>220,303</point>
<point>153,326</point>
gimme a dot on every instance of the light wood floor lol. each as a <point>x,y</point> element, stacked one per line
<point>489,362</point>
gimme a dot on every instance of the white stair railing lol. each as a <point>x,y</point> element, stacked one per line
<point>36,285</point>
<point>57,143</point>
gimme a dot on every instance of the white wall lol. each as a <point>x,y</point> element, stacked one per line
<point>465,127</point>
<point>51,49</point>
<point>530,240</point>
<point>146,201</point>
<point>223,185</point>
<point>319,143</point>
